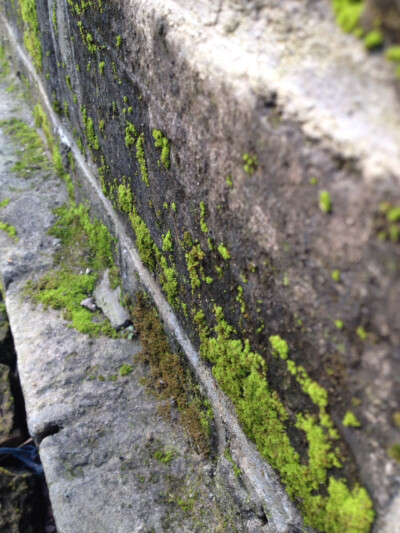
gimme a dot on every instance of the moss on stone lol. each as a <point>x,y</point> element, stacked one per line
<point>162,142</point>
<point>32,157</point>
<point>31,31</point>
<point>169,378</point>
<point>242,375</point>
<point>223,250</point>
<point>325,202</point>
<point>203,214</point>
<point>140,156</point>
<point>194,258</point>
<point>350,420</point>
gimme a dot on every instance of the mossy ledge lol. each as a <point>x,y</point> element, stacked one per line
<point>182,269</point>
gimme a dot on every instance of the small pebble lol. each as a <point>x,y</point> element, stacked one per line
<point>89,304</point>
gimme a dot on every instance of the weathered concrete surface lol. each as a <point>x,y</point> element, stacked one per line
<point>99,433</point>
<point>260,78</point>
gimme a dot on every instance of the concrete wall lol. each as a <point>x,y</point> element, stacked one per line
<point>269,208</point>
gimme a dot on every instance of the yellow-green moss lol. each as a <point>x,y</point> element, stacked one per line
<point>242,375</point>
<point>31,31</point>
<point>65,287</point>
<point>223,250</point>
<point>203,214</point>
<point>167,242</point>
<point>194,258</point>
<point>350,420</point>
<point>325,202</point>
<point>163,143</point>
<point>140,156</point>
<point>32,156</point>
<point>250,163</point>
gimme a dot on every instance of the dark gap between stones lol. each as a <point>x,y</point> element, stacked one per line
<point>24,494</point>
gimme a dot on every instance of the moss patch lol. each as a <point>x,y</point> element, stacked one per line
<point>85,244</point>
<point>169,378</point>
<point>162,142</point>
<point>32,157</point>
<point>242,375</point>
<point>31,31</point>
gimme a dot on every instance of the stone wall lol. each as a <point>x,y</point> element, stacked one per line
<point>250,153</point>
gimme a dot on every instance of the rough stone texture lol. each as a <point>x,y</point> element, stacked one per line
<point>6,405</point>
<point>101,439</point>
<point>276,79</point>
<point>108,300</point>
<point>20,510</point>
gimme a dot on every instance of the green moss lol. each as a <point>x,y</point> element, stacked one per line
<point>168,280</point>
<point>194,259</point>
<point>167,242</point>
<point>173,207</point>
<point>374,39</point>
<point>335,275</point>
<point>240,299</point>
<point>325,202</point>
<point>350,420</point>
<point>164,457</point>
<point>242,375</point>
<point>89,128</point>
<point>57,160</point>
<point>393,53</point>
<point>203,224</point>
<point>87,39</point>
<point>31,31</point>
<point>229,182</point>
<point>348,14</point>
<point>361,333</point>
<point>394,452</point>
<point>66,108</point>
<point>339,324</point>
<point>102,65</point>
<point>10,230</point>
<point>163,143</point>
<point>131,134</point>
<point>140,156</point>
<point>4,64</point>
<point>84,243</point>
<point>125,198</point>
<point>68,81</point>
<point>125,370</point>
<point>118,41</point>
<point>223,250</point>
<point>250,163</point>
<point>228,456</point>
<point>313,181</point>
<point>279,346</point>
<point>5,202</point>
<point>144,241</point>
<point>32,156</point>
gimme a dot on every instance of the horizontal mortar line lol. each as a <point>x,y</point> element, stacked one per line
<point>260,475</point>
